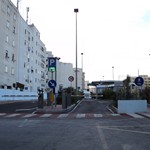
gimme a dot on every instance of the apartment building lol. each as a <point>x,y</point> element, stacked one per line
<point>8,43</point>
<point>23,55</point>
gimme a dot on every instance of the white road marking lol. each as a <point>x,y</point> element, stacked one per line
<point>102,138</point>
<point>45,115</point>
<point>145,114</point>
<point>29,115</point>
<point>117,129</point>
<point>126,147</point>
<point>23,123</point>
<point>98,115</point>
<point>12,115</point>
<point>2,114</point>
<point>80,115</point>
<point>135,115</point>
<point>62,116</point>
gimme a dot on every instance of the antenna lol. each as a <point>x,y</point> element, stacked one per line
<point>18,3</point>
<point>27,14</point>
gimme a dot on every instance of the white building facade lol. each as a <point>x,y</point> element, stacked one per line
<point>23,55</point>
<point>8,43</point>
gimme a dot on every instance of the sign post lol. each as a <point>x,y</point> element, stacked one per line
<point>139,81</point>
<point>52,84</point>
<point>71,78</point>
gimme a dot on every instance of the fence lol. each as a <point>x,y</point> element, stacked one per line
<point>10,95</point>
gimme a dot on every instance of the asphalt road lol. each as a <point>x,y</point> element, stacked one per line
<point>25,106</point>
<point>122,133</point>
<point>74,134</point>
<point>92,106</point>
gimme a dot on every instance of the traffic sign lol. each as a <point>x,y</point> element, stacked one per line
<point>139,81</point>
<point>52,83</point>
<point>71,78</point>
<point>51,62</point>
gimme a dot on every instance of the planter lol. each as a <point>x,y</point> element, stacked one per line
<point>132,106</point>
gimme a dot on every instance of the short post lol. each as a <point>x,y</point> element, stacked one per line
<point>40,98</point>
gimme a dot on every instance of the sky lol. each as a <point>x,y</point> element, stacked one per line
<point>113,35</point>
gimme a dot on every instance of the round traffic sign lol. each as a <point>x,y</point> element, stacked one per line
<point>71,78</point>
<point>139,81</point>
<point>52,83</point>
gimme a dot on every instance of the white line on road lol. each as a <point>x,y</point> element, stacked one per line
<point>98,115</point>
<point>145,114</point>
<point>117,129</point>
<point>62,116</point>
<point>29,115</point>
<point>80,115</point>
<point>102,138</point>
<point>45,115</point>
<point>12,115</point>
<point>135,115</point>
<point>126,147</point>
<point>2,114</point>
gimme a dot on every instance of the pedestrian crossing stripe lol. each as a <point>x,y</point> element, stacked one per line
<point>135,115</point>
<point>62,116</point>
<point>80,116</point>
<point>45,115</point>
<point>59,116</point>
<point>3,114</point>
<point>29,115</point>
<point>98,115</point>
<point>12,115</point>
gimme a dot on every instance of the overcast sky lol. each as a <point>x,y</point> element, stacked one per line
<point>110,33</point>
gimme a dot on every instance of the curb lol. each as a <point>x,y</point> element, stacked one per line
<point>42,111</point>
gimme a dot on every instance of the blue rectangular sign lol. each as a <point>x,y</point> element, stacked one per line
<point>51,62</point>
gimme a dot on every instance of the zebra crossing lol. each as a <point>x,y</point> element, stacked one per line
<point>77,116</point>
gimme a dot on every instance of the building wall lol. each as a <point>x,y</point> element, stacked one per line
<point>146,80</point>
<point>23,54</point>
<point>8,43</point>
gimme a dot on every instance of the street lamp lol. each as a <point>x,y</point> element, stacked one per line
<point>113,72</point>
<point>76,11</point>
<point>82,72</point>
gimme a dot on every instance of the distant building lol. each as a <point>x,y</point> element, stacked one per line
<point>146,80</point>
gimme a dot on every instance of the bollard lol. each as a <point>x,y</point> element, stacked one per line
<point>64,100</point>
<point>48,99</point>
<point>40,98</point>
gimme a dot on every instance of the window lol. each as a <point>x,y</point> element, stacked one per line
<point>12,71</point>
<point>14,17</point>
<point>13,43</point>
<point>8,10</point>
<point>6,54</point>
<point>14,30</point>
<point>6,68</point>
<point>13,57</point>
<point>7,38</point>
<point>8,24</point>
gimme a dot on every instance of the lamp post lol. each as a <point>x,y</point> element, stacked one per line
<point>113,72</point>
<point>82,72</point>
<point>76,11</point>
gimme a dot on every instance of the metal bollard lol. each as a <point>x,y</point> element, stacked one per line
<point>40,98</point>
